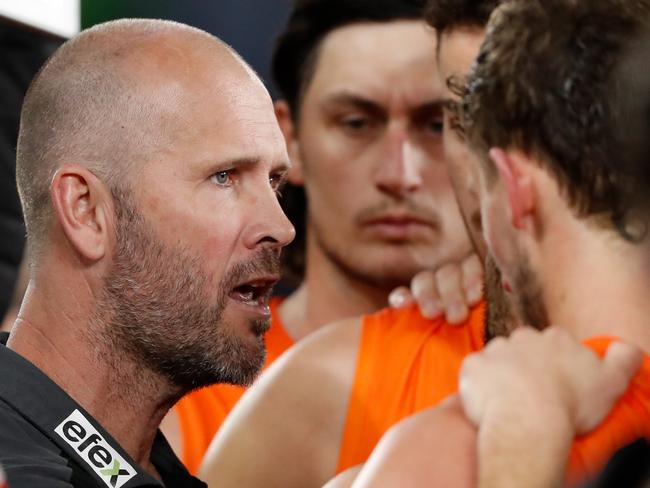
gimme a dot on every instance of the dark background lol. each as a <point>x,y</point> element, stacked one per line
<point>249,26</point>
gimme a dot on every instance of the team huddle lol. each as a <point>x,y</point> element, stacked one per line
<point>482,165</point>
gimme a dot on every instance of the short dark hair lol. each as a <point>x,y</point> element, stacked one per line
<point>292,66</point>
<point>311,20</point>
<point>565,81</point>
<point>446,15</point>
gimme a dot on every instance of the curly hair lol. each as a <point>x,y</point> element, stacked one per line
<point>550,81</point>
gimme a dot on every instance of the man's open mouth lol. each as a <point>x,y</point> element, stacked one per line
<point>256,292</point>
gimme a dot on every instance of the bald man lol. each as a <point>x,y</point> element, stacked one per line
<point>149,160</point>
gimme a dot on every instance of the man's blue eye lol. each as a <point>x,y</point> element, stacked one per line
<point>221,178</point>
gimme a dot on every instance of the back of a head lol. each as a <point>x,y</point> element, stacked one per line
<point>552,79</point>
<point>87,106</point>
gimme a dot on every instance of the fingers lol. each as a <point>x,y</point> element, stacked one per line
<point>451,290</point>
<point>400,297</point>
<point>472,278</point>
<point>425,292</point>
<point>449,284</point>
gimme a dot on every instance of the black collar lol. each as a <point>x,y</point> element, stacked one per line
<point>56,415</point>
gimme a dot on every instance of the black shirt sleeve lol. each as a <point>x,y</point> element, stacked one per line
<point>629,468</point>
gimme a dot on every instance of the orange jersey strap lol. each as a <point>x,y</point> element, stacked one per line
<point>629,420</point>
<point>202,412</point>
<point>405,364</point>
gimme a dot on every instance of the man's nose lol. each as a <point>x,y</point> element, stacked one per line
<point>399,172</point>
<point>270,224</point>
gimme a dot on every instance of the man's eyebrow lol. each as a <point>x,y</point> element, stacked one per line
<point>430,106</point>
<point>353,99</point>
<point>281,167</point>
<point>368,105</point>
<point>236,163</point>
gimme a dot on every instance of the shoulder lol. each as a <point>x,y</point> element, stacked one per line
<point>424,429</point>
<point>324,348</point>
<point>29,458</point>
<point>626,422</point>
<point>435,447</point>
<point>328,355</point>
<point>299,402</point>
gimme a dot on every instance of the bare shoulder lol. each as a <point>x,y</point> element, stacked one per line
<point>298,405</point>
<point>330,352</point>
<point>435,447</point>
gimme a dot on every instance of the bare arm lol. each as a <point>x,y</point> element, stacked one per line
<point>436,447</point>
<point>287,429</point>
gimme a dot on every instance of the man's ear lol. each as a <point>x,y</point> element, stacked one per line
<point>283,114</point>
<point>514,171</point>
<point>82,204</point>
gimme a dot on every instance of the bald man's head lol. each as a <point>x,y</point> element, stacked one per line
<point>111,99</point>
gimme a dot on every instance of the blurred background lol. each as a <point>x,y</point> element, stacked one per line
<point>250,26</point>
<point>30,30</point>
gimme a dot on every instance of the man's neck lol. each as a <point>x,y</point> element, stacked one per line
<point>327,294</point>
<point>598,286</point>
<point>126,400</point>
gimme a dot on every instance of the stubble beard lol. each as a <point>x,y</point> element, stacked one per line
<point>154,310</point>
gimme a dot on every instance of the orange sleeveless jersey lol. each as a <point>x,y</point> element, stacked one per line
<point>629,420</point>
<point>405,364</point>
<point>202,412</point>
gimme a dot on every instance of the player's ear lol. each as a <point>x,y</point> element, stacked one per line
<point>514,169</point>
<point>81,204</point>
<point>288,127</point>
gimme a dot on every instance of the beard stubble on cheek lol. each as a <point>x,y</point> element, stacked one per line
<point>160,308</point>
<point>531,305</point>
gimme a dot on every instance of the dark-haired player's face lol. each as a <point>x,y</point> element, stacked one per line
<point>369,142</point>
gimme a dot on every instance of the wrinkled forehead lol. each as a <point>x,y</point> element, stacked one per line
<point>388,62</point>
